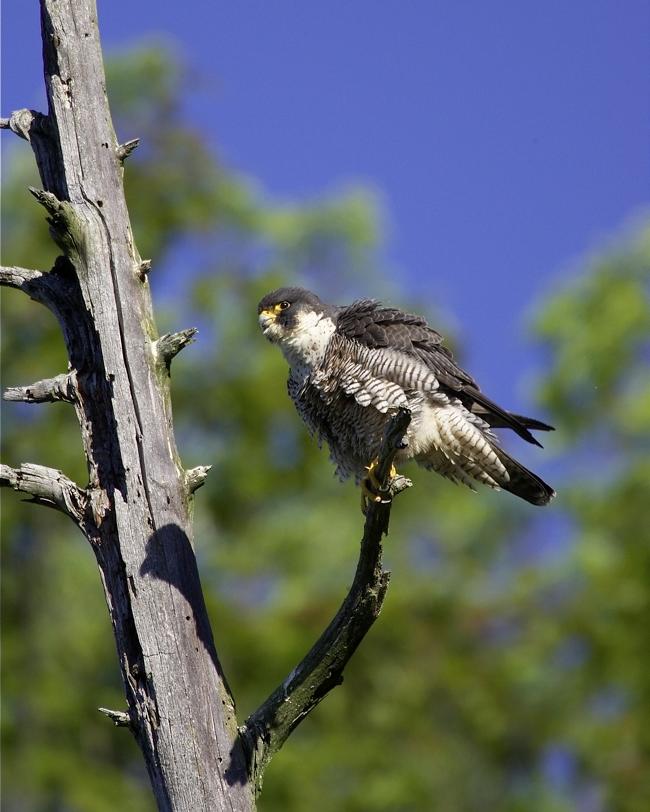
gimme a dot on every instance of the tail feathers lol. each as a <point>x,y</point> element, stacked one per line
<point>524,483</point>
<point>498,418</point>
<point>532,423</point>
<point>460,448</point>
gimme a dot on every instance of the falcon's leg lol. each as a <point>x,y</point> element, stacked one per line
<point>371,487</point>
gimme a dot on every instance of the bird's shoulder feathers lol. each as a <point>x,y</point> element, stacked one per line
<point>370,324</point>
<point>377,327</point>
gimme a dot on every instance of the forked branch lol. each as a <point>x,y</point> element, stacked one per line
<point>269,726</point>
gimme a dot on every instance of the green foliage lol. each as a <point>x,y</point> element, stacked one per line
<point>508,670</point>
<point>598,331</point>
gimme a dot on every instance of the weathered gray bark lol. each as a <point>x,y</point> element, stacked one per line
<point>135,511</point>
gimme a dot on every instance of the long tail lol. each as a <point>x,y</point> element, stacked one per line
<point>498,418</point>
<point>522,482</point>
<point>533,423</point>
<point>457,444</point>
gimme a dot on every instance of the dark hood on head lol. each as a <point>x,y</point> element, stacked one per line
<point>295,296</point>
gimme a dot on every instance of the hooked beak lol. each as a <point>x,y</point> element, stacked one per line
<point>266,319</point>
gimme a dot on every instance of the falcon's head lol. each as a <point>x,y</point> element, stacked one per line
<point>298,321</point>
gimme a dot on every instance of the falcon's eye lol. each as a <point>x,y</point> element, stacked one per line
<point>284,305</point>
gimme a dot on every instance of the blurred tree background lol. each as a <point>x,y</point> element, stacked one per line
<point>509,669</point>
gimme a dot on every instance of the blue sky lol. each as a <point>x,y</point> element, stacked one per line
<point>506,138</point>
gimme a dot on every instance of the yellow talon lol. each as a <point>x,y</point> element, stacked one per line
<point>370,486</point>
<point>367,496</point>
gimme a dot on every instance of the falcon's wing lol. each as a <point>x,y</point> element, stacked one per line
<point>377,327</point>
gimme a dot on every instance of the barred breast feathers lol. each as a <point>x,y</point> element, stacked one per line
<point>374,377</point>
<point>444,435</point>
<point>451,440</point>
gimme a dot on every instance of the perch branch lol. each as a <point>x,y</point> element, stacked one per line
<point>47,486</point>
<point>62,387</point>
<point>266,730</point>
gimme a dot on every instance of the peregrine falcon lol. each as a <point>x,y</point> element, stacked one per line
<point>351,367</point>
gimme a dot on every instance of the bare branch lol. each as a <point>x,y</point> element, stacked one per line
<point>169,345</point>
<point>24,122</point>
<point>119,718</point>
<point>48,288</point>
<point>124,150</point>
<point>29,281</point>
<point>12,276</point>
<point>65,227</point>
<point>47,486</point>
<point>48,200</point>
<point>62,387</point>
<point>195,477</point>
<point>266,730</point>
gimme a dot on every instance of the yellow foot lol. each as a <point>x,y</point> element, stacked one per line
<point>371,487</point>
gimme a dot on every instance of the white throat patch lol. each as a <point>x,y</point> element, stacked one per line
<point>307,343</point>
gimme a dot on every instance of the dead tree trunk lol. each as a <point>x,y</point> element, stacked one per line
<point>135,511</point>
